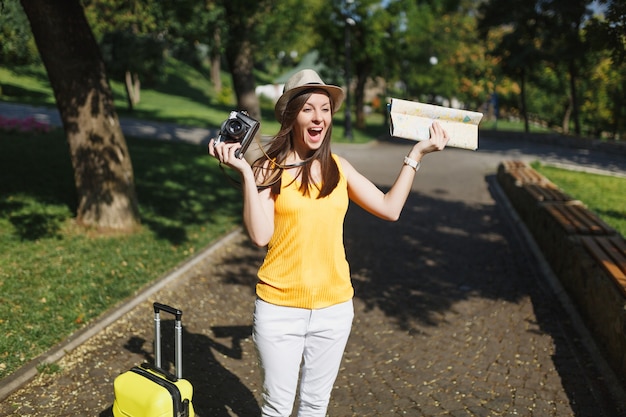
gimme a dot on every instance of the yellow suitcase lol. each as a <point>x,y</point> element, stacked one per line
<point>150,391</point>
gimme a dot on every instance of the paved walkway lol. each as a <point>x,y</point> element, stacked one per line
<point>456,315</point>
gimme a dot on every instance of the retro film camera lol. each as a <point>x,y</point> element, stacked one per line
<point>239,127</point>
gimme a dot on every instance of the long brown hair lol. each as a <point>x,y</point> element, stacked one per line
<point>268,168</point>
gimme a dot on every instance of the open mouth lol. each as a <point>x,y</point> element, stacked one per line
<point>315,133</point>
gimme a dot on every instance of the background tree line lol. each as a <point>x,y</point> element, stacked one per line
<point>546,61</point>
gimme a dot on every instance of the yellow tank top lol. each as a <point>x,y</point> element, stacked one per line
<point>306,265</point>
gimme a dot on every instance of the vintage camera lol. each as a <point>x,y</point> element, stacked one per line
<point>239,127</point>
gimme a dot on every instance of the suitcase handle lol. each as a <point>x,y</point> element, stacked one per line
<point>178,334</point>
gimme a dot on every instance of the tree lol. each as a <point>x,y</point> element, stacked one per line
<point>439,53</point>
<point>610,31</point>
<point>131,41</point>
<point>102,166</point>
<point>561,22</point>
<point>606,108</point>
<point>242,17</point>
<point>16,44</point>
<point>518,48</point>
<point>353,42</point>
<point>258,29</point>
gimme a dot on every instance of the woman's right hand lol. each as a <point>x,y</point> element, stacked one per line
<point>225,153</point>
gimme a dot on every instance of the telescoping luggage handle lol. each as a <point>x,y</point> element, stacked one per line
<point>178,334</point>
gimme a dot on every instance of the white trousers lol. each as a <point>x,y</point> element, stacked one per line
<point>296,342</point>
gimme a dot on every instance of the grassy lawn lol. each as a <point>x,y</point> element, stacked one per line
<point>603,195</point>
<point>53,278</point>
<point>511,126</point>
<point>187,98</point>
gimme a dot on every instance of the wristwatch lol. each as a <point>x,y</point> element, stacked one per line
<point>412,163</point>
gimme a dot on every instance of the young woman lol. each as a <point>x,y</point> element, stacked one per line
<point>295,199</point>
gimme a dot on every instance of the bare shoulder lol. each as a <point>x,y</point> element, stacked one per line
<point>346,166</point>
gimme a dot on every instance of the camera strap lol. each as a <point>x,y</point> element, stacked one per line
<point>237,183</point>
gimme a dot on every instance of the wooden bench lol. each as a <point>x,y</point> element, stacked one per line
<point>576,219</point>
<point>587,255</point>
<point>527,175</point>
<point>521,173</point>
<point>546,193</point>
<point>525,187</point>
<point>610,253</point>
<point>512,164</point>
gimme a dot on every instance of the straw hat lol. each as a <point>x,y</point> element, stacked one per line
<point>305,80</point>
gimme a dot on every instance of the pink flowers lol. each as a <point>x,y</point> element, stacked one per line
<point>27,125</point>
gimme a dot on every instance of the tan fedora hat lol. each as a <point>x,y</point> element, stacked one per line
<point>306,80</point>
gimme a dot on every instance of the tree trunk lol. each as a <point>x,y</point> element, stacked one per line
<point>102,167</point>
<point>133,89</point>
<point>241,65</point>
<point>359,96</point>
<point>523,98</point>
<point>574,96</point>
<point>240,57</point>
<point>215,57</point>
<point>567,117</point>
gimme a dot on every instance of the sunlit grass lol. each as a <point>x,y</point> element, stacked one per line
<point>602,194</point>
<point>54,277</point>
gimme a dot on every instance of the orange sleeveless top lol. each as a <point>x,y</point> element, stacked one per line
<point>306,265</point>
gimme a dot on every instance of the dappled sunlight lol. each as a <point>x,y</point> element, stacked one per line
<point>437,254</point>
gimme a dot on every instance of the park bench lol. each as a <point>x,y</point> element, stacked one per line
<point>610,253</point>
<point>527,189</point>
<point>520,173</point>
<point>577,219</point>
<point>586,254</point>
<point>602,294</point>
<point>558,228</point>
<point>547,192</point>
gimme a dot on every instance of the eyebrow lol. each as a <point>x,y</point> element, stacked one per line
<point>327,103</point>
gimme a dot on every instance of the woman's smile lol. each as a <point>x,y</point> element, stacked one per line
<point>313,121</point>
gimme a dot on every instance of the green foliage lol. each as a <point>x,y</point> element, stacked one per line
<point>481,48</point>
<point>558,54</point>
<point>607,31</point>
<point>140,54</point>
<point>281,31</point>
<point>17,46</point>
<point>108,16</point>
<point>604,195</point>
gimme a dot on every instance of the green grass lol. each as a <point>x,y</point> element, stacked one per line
<point>187,98</point>
<point>512,126</point>
<point>54,278</point>
<point>604,195</point>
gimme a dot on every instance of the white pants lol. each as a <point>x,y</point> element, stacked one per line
<point>293,340</point>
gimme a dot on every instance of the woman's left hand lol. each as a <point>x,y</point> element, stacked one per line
<point>438,140</point>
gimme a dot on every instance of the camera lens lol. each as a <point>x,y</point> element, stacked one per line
<point>234,128</point>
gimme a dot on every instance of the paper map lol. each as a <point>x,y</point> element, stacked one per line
<point>411,120</point>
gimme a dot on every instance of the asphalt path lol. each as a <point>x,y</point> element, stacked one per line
<point>457,313</point>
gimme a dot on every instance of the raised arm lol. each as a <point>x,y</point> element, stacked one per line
<point>389,205</point>
<point>258,206</point>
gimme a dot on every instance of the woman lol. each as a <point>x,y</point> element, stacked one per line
<point>295,198</point>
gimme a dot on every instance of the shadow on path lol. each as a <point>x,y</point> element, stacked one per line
<point>444,252</point>
<point>217,391</point>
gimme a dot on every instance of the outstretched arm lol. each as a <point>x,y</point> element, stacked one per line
<point>389,205</point>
